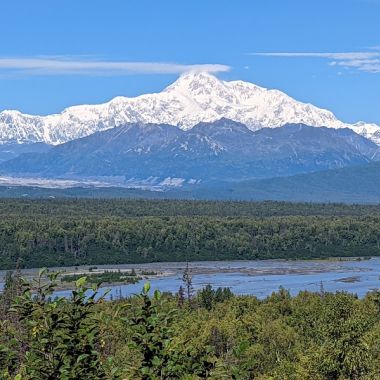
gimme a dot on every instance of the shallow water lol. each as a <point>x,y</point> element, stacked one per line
<point>259,278</point>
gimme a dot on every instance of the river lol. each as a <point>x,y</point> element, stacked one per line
<point>259,278</point>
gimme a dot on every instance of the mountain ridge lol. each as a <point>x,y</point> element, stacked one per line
<point>193,98</point>
<point>167,155</point>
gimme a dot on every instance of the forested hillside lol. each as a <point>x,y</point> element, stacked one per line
<point>60,232</point>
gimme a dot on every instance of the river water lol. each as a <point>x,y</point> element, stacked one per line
<point>259,278</point>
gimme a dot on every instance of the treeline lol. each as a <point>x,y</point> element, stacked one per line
<point>56,240</point>
<point>126,208</point>
<point>210,335</point>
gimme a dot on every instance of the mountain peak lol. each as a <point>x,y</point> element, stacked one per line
<point>196,76</point>
<point>193,81</point>
<point>193,98</point>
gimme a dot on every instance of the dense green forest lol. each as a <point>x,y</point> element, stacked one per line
<point>35,233</point>
<point>209,335</point>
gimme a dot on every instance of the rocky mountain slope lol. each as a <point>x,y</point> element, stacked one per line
<point>222,150</point>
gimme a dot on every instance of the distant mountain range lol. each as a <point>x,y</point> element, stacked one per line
<point>193,98</point>
<point>223,150</point>
<point>199,138</point>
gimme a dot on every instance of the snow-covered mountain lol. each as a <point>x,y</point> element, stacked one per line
<point>193,98</point>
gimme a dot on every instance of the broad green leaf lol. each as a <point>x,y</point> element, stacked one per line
<point>81,281</point>
<point>146,288</point>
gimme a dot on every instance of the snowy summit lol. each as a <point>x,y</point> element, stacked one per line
<point>195,97</point>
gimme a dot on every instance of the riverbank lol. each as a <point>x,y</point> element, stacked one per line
<point>258,278</point>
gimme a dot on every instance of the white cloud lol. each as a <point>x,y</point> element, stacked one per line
<point>40,66</point>
<point>367,61</point>
<point>369,65</point>
<point>349,55</point>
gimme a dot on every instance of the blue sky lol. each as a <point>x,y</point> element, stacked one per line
<point>54,54</point>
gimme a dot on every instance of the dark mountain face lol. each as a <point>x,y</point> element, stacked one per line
<point>223,150</point>
<point>13,150</point>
